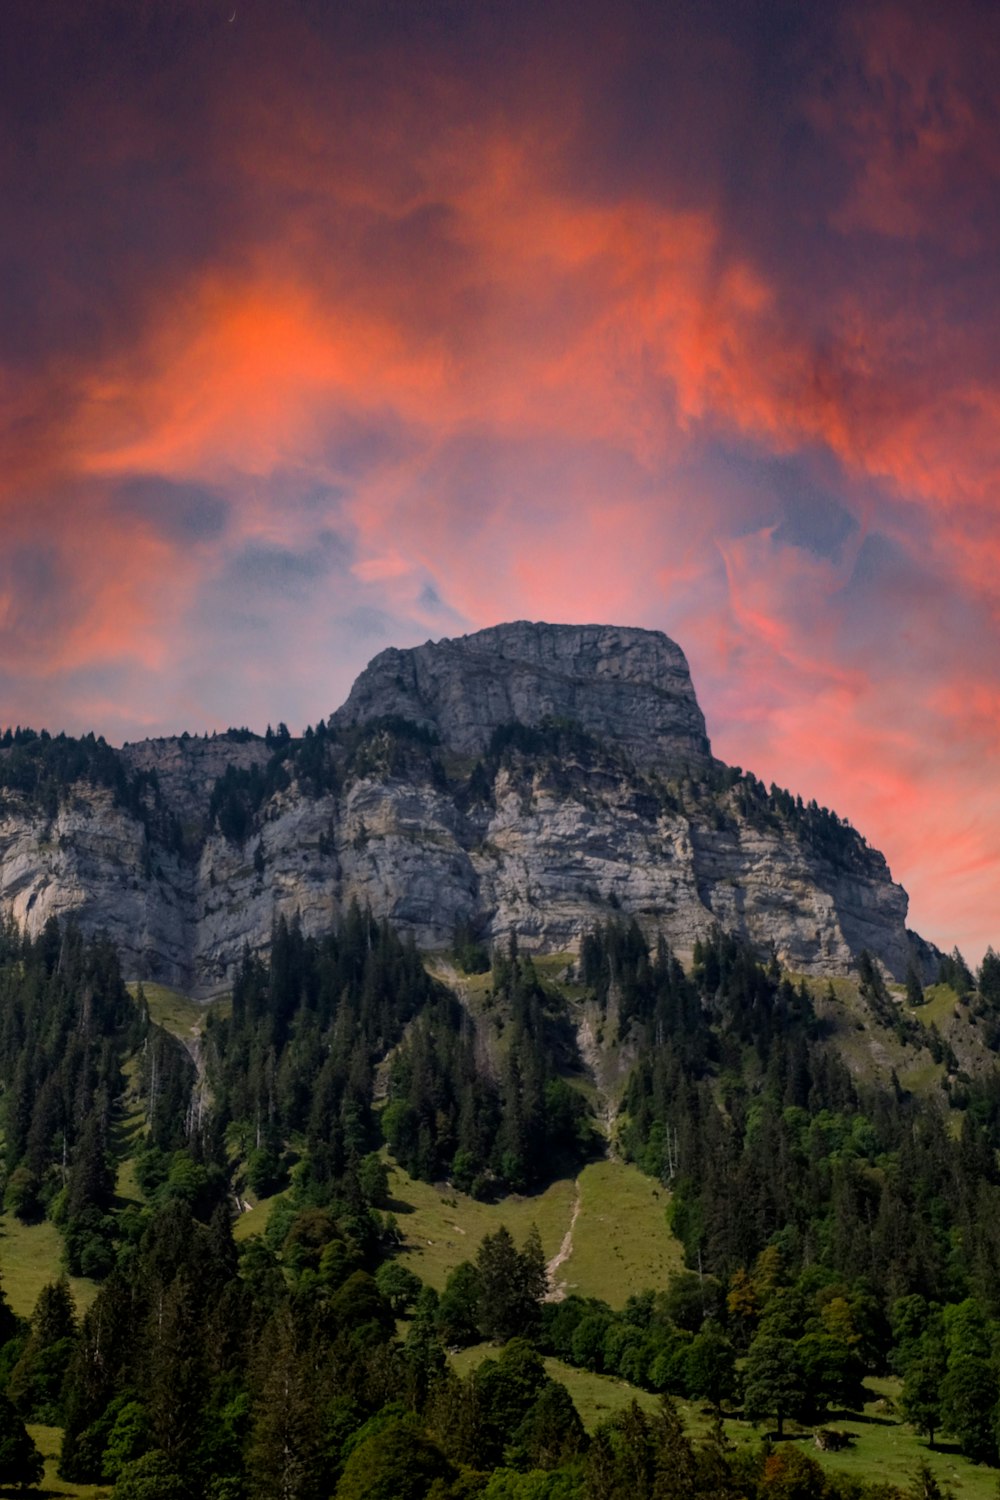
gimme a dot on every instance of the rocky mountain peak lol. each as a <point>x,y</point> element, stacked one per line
<point>628,687</point>
<point>186,850</point>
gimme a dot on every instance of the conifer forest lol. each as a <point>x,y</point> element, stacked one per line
<point>833,1231</point>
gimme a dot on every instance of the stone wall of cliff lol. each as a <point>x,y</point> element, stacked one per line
<point>613,806</point>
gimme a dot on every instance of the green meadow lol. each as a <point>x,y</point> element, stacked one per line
<point>883,1447</point>
<point>48,1441</point>
<point>31,1257</point>
<point>620,1240</point>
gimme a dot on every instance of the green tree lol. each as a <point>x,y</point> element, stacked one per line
<point>150,1477</point>
<point>676,1463</point>
<point>507,1389</point>
<point>20,1461</point>
<point>129,1439</point>
<point>969,1390</point>
<point>920,1398</point>
<point>710,1367</point>
<point>458,1310</point>
<point>832,1373</point>
<point>22,1195</point>
<point>968,1405</point>
<point>176,1383</point>
<point>511,1286</point>
<point>36,1381</point>
<point>424,1355</point>
<point>398,1286</point>
<point>772,1380</point>
<point>914,989</point>
<point>989,978</point>
<point>373,1175</point>
<point>551,1434</point>
<point>398,1462</point>
<point>285,1447</point>
<point>622,1459</point>
<point>10,1324</point>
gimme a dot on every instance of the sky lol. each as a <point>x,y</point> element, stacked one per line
<point>328,325</point>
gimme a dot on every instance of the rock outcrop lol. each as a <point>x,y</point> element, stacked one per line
<point>529,779</point>
<point>627,687</point>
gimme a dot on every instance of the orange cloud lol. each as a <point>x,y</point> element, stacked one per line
<point>502,379</point>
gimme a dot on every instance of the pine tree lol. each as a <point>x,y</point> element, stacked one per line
<point>284,1456</point>
<point>36,1381</point>
<point>511,1286</point>
<point>20,1461</point>
<point>176,1384</point>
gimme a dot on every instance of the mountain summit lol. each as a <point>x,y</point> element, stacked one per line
<point>530,780</point>
<point>628,687</point>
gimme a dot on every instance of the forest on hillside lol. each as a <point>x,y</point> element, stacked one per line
<point>833,1230</point>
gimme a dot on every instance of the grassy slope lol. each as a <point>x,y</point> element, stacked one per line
<point>31,1257</point>
<point>873,1052</point>
<point>48,1440</point>
<point>175,1011</point>
<point>621,1243</point>
<point>884,1449</point>
<point>442,1229</point>
<point>255,1222</point>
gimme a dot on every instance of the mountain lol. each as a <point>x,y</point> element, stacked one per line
<point>628,688</point>
<point>529,779</point>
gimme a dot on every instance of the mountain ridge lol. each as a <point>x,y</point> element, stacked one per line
<point>526,780</point>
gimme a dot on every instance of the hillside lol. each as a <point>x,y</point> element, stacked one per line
<point>653,1173</point>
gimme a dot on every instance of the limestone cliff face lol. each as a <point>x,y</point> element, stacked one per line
<point>610,803</point>
<point>627,687</point>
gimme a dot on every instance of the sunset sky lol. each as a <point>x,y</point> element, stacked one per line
<point>329,326</point>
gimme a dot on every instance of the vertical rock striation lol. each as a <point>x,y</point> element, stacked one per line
<point>530,779</point>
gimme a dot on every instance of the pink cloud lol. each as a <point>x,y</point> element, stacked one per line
<point>505,388</point>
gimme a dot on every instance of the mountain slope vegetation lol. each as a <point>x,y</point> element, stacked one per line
<point>834,1226</point>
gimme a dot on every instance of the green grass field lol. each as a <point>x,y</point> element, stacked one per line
<point>884,1448</point>
<point>621,1243</point>
<point>31,1257</point>
<point>128,1131</point>
<point>940,1002</point>
<point>887,1449</point>
<point>48,1440</point>
<point>175,1011</point>
<point>255,1222</point>
<point>441,1229</point>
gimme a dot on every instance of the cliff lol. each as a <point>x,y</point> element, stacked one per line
<point>629,688</point>
<point>530,778</point>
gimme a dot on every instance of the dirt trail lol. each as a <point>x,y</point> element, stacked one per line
<point>557,1289</point>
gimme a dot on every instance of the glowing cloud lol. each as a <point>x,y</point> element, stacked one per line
<point>336,328</point>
